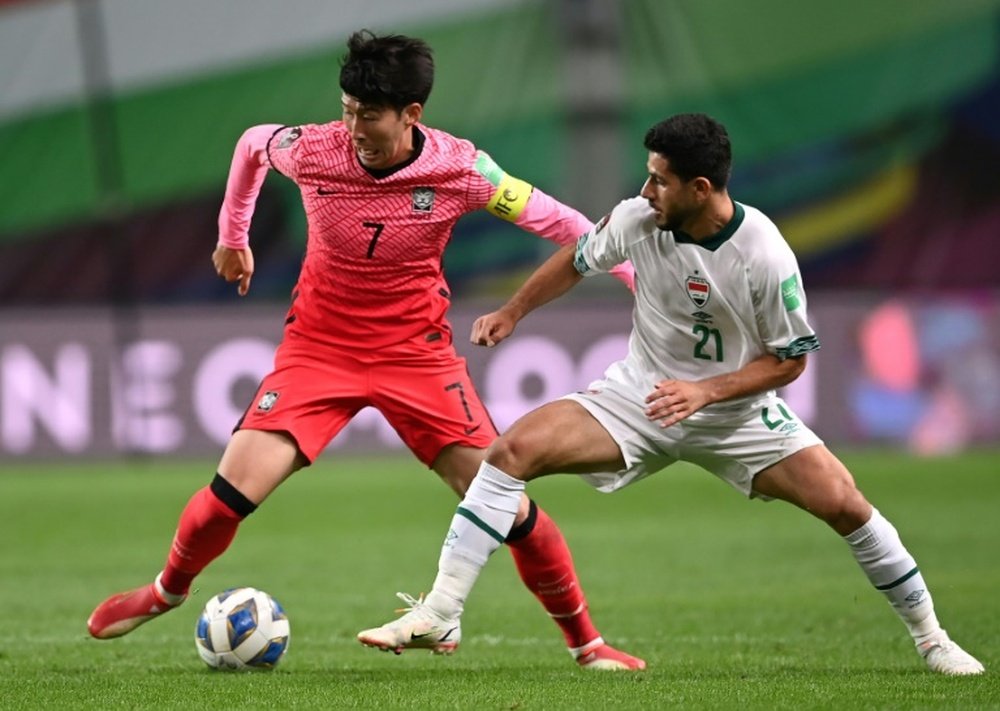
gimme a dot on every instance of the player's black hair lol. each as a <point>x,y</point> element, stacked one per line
<point>696,145</point>
<point>388,71</point>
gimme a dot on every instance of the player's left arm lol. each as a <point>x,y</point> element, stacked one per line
<point>674,400</point>
<point>535,211</point>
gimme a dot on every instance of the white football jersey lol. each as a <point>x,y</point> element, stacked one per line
<point>701,308</point>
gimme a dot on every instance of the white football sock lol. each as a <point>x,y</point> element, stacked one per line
<point>891,569</point>
<point>480,525</point>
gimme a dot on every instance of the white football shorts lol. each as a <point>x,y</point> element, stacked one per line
<point>734,445</point>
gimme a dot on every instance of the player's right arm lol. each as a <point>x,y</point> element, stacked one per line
<point>555,277</point>
<point>232,258</point>
<point>599,250</point>
<point>533,210</point>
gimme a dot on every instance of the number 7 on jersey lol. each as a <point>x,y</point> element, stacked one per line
<point>377,227</point>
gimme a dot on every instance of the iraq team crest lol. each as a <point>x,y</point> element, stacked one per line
<point>423,199</point>
<point>699,290</point>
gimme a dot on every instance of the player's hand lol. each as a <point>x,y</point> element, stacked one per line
<point>234,265</point>
<point>492,328</point>
<point>675,400</point>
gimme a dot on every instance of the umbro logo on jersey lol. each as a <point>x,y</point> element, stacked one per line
<point>423,199</point>
<point>699,291</point>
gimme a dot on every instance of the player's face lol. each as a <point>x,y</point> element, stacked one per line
<point>673,200</point>
<point>382,136</point>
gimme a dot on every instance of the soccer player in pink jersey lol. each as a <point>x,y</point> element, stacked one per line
<point>367,326</point>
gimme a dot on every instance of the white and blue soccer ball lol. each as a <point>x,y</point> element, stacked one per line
<point>242,628</point>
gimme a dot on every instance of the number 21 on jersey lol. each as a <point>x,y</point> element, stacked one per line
<point>709,345</point>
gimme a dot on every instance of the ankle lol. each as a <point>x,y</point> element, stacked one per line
<point>926,642</point>
<point>587,648</point>
<point>166,597</point>
<point>577,628</point>
<point>925,629</point>
<point>443,605</point>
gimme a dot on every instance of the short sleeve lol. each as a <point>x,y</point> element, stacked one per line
<point>604,246</point>
<point>781,306</point>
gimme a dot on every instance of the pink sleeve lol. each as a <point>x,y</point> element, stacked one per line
<point>246,175</point>
<point>547,217</point>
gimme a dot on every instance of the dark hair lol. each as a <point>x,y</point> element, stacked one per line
<point>390,71</point>
<point>696,145</point>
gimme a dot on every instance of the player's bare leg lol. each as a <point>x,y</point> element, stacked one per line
<point>253,465</point>
<point>816,481</point>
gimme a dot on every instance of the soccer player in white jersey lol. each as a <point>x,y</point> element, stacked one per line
<point>719,324</point>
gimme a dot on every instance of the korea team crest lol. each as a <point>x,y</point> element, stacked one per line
<point>423,199</point>
<point>698,290</point>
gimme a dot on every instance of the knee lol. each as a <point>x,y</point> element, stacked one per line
<point>845,510</point>
<point>510,454</point>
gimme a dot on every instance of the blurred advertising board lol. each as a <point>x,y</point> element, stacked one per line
<point>922,374</point>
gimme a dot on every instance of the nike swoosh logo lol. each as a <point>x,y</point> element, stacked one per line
<point>325,191</point>
<point>446,635</point>
<point>470,430</point>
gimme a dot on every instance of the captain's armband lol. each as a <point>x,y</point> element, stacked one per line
<point>510,198</point>
<point>510,195</point>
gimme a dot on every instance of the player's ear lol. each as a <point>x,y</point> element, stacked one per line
<point>412,113</point>
<point>702,188</point>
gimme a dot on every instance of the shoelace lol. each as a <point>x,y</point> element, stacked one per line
<point>411,602</point>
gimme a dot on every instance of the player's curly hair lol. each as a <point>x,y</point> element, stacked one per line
<point>388,71</point>
<point>696,145</point>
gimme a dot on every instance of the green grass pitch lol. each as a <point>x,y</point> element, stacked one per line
<point>733,604</point>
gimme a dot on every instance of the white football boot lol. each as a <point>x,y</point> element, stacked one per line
<point>419,628</point>
<point>945,657</point>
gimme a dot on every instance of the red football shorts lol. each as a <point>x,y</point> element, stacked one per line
<point>313,392</point>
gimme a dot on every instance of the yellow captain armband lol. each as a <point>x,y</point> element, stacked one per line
<point>510,198</point>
